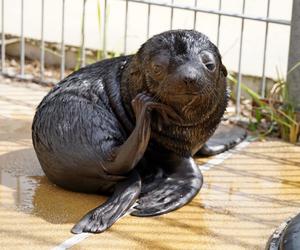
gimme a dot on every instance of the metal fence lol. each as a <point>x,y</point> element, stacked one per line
<point>194,9</point>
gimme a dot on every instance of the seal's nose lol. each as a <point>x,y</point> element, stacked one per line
<point>189,79</point>
<point>189,75</point>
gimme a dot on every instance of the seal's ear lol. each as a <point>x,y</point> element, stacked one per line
<point>135,70</point>
<point>222,67</point>
<point>224,70</point>
<point>134,66</point>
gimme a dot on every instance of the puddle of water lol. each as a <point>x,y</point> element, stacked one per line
<point>39,197</point>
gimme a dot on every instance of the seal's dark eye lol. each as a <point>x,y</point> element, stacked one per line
<point>159,64</point>
<point>210,66</point>
<point>156,68</point>
<point>208,60</point>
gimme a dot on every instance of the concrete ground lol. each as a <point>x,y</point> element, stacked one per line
<point>246,195</point>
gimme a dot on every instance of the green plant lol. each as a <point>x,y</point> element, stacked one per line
<point>100,53</point>
<point>276,108</point>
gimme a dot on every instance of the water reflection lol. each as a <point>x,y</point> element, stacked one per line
<point>37,196</point>
<point>17,192</point>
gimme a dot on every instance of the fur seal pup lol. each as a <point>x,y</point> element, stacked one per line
<point>286,236</point>
<point>129,126</point>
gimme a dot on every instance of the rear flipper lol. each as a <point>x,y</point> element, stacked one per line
<point>104,216</point>
<point>170,189</point>
<point>226,137</point>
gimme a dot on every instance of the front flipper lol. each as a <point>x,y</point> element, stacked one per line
<point>225,137</point>
<point>104,216</point>
<point>170,189</point>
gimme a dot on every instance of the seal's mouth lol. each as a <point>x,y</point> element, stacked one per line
<point>186,94</point>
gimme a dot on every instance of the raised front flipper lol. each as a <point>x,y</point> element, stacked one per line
<point>126,156</point>
<point>171,188</point>
<point>104,216</point>
<point>226,137</point>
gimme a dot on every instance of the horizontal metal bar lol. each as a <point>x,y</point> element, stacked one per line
<point>28,78</point>
<point>216,12</point>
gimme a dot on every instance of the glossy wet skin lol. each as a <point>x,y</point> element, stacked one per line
<point>98,129</point>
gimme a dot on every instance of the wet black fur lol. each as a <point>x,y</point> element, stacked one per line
<point>88,114</point>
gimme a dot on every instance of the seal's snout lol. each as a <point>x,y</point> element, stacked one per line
<point>189,76</point>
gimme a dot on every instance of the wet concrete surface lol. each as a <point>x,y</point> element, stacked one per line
<point>243,199</point>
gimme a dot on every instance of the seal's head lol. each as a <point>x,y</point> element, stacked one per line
<point>183,70</point>
<point>181,67</point>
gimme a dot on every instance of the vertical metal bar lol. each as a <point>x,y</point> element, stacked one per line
<point>22,44</point>
<point>42,66</point>
<point>195,15</point>
<point>82,49</point>
<point>62,49</point>
<point>238,96</point>
<point>172,14</point>
<point>263,83</point>
<point>105,29</point>
<point>219,23</point>
<point>126,27</point>
<point>293,74</point>
<point>3,40</point>
<point>148,21</point>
